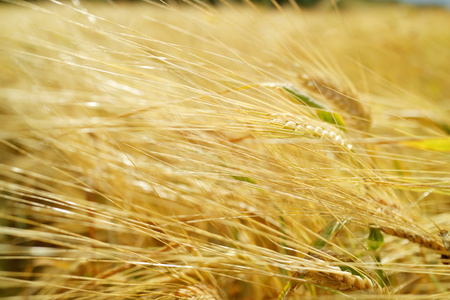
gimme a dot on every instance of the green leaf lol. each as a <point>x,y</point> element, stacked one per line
<point>327,233</point>
<point>435,144</point>
<point>445,127</point>
<point>299,96</point>
<point>323,112</point>
<point>287,288</point>
<point>243,178</point>
<point>332,118</point>
<point>375,240</point>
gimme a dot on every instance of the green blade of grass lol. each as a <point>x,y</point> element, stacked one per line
<point>375,240</point>
<point>374,243</point>
<point>303,98</point>
<point>328,232</point>
<point>243,178</point>
<point>322,111</point>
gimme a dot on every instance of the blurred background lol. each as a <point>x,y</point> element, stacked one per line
<point>310,3</point>
<point>306,3</point>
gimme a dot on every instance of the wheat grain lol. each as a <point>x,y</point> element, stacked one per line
<point>308,127</point>
<point>339,280</point>
<point>333,277</point>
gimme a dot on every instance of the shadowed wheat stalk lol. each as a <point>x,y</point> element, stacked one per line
<point>163,151</point>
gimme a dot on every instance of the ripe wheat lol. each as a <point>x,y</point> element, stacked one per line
<point>189,151</point>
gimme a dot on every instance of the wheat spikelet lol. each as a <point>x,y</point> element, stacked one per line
<point>425,241</point>
<point>336,279</point>
<point>331,277</point>
<point>307,126</point>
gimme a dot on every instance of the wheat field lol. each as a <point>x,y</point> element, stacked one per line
<point>153,150</point>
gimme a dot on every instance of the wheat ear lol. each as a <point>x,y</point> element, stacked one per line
<point>425,241</point>
<point>335,277</point>
<point>332,277</point>
<point>309,127</point>
<point>340,280</point>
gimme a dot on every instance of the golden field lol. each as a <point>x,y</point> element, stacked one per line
<point>163,151</point>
